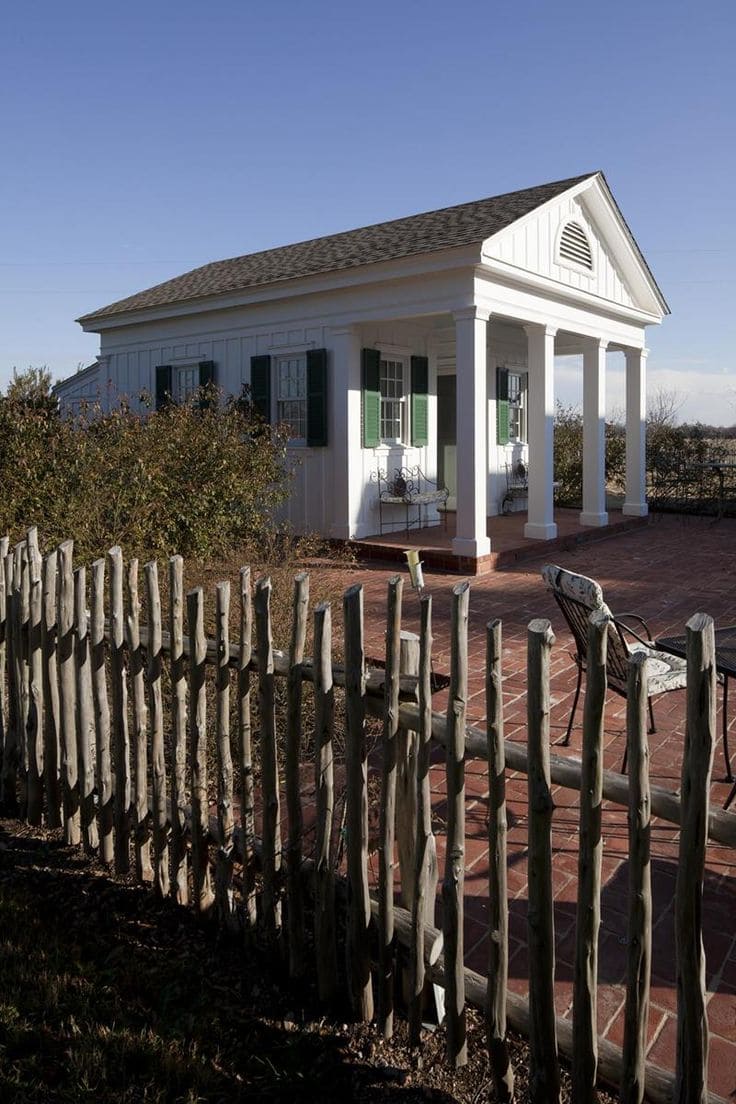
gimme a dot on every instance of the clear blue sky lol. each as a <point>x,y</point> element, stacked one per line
<point>140,140</point>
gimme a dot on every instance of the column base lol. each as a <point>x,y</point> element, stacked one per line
<point>536,531</point>
<point>635,509</point>
<point>593,519</point>
<point>470,548</point>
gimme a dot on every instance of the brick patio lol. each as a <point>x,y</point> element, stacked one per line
<point>665,571</point>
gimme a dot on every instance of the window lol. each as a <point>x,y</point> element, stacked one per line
<point>185,382</point>
<point>393,400</point>
<point>517,406</point>
<point>291,395</point>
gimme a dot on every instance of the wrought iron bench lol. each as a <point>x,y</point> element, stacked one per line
<point>410,488</point>
<point>517,485</point>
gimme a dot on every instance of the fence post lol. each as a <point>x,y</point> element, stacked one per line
<point>247,811</point>
<point>22,614</point>
<point>498,942</point>
<point>158,755</point>
<point>544,1070</point>
<point>293,790</point>
<point>203,896</point>
<point>225,819</point>
<point>590,854</point>
<point>10,751</point>
<point>425,858</point>
<point>102,713</point>
<point>636,1015</point>
<point>67,695</point>
<point>454,879</point>
<point>35,677</point>
<point>4,544</point>
<point>388,812</point>
<point>50,676</point>
<point>142,834</point>
<point>324,891</point>
<point>120,743</point>
<point>359,918</point>
<point>270,766</point>
<point>691,1071</point>
<point>85,712</point>
<point>179,861</point>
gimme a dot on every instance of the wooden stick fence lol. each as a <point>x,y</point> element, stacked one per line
<point>67,759</point>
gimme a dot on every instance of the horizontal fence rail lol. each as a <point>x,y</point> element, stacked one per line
<point>131,738</point>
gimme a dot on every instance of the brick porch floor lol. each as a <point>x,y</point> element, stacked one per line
<point>665,571</point>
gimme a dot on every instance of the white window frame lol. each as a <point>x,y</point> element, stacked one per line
<point>184,380</point>
<point>518,405</point>
<point>389,356</point>
<point>277,360</point>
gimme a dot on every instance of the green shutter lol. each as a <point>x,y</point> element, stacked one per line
<point>317,398</point>
<point>206,379</point>
<point>502,406</point>
<point>370,362</point>
<point>163,385</point>
<point>419,400</point>
<point>260,385</point>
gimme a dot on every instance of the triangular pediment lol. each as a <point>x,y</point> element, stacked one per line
<point>589,218</point>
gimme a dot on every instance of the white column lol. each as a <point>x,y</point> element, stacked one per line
<point>594,434</point>
<point>471,537</point>
<point>540,523</point>
<point>346,476</point>
<point>635,503</point>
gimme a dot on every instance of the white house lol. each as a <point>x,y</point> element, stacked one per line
<point>428,340</point>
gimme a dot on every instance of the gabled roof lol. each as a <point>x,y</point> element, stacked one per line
<point>384,241</point>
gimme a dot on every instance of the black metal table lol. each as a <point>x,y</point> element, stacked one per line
<point>725,640</point>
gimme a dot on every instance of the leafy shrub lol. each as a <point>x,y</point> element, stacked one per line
<point>569,455</point>
<point>199,478</point>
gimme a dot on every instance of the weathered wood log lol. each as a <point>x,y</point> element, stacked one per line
<point>359,913</point>
<point>22,612</point>
<point>50,677</point>
<point>68,696</point>
<point>639,930</point>
<point>120,739</point>
<point>498,921</point>
<point>203,895</point>
<point>11,749</point>
<point>85,713</point>
<point>454,876</point>
<point>270,765</point>
<point>407,750</point>
<point>247,797</point>
<point>179,860</point>
<point>34,734</point>
<point>4,545</point>
<point>141,828</point>
<point>225,816</point>
<point>691,1068</point>
<point>388,812</point>
<point>102,714</point>
<point>590,855</point>
<point>295,915</point>
<point>544,1071</point>
<point>425,857</point>
<point>324,884</point>
<point>158,756</point>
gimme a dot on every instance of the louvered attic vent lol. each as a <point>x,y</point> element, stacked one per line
<point>574,245</point>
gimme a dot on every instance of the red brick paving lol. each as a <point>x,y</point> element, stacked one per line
<point>665,571</point>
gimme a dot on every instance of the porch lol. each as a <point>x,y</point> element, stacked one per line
<point>509,545</point>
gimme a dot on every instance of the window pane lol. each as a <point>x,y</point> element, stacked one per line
<point>393,405</point>
<point>291,395</point>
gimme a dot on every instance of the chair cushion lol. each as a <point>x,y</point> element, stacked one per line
<point>664,671</point>
<point>578,587</point>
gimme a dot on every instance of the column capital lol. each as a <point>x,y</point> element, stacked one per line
<point>539,329</point>
<point>596,343</point>
<point>631,352</point>
<point>474,312</point>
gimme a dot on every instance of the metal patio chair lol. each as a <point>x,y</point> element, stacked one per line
<point>577,596</point>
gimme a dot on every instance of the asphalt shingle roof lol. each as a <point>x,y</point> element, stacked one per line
<point>384,241</point>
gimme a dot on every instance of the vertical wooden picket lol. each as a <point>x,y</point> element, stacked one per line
<point>68,696</point>
<point>179,832</point>
<point>51,707</point>
<point>85,712</point>
<point>120,740</point>
<point>247,796</point>
<point>35,680</point>
<point>270,764</point>
<point>388,811</point>
<point>10,751</point>
<point>544,1070</point>
<point>225,818</point>
<point>156,711</point>
<point>498,921</point>
<point>203,895</point>
<point>300,614</point>
<point>324,887</point>
<point>105,815</point>
<point>142,833</point>
<point>639,932</point>
<point>359,915</point>
<point>4,544</point>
